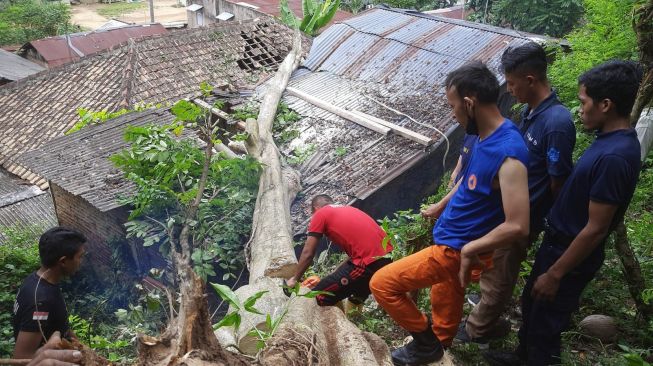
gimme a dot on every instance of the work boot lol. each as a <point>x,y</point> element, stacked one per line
<point>424,348</point>
<point>503,358</point>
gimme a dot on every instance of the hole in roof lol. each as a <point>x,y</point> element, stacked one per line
<point>257,55</point>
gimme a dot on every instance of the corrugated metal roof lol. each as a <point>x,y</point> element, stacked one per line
<point>79,163</point>
<point>402,48</point>
<point>399,58</point>
<point>34,215</point>
<point>63,49</point>
<point>14,67</point>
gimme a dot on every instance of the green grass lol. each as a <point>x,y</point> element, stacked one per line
<point>117,9</point>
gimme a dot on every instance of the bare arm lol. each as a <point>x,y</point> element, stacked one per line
<point>556,185</point>
<point>435,210</point>
<point>600,217</point>
<point>50,355</point>
<point>26,344</point>
<point>513,182</point>
<point>305,259</point>
<point>456,171</point>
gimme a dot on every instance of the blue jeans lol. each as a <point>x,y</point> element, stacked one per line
<point>544,321</point>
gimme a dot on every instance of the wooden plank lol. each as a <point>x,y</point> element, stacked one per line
<point>341,112</point>
<point>220,113</point>
<point>399,130</point>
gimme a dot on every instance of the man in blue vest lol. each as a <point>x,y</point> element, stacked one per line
<point>550,136</point>
<point>589,206</point>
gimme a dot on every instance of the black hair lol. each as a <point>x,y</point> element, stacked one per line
<point>321,200</point>
<point>529,57</point>
<point>616,80</point>
<point>59,242</point>
<point>474,79</point>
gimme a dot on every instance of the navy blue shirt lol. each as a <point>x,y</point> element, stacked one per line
<point>606,173</point>
<point>550,136</point>
<point>475,209</point>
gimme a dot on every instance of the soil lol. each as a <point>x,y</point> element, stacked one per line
<point>165,11</point>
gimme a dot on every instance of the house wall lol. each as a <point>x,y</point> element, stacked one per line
<point>212,8</point>
<point>100,228</point>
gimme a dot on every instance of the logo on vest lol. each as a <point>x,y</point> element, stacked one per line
<point>471,182</point>
<point>531,139</point>
<point>553,154</point>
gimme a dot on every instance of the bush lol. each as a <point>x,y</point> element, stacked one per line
<point>19,256</point>
<point>26,20</point>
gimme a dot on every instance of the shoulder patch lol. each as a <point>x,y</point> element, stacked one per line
<point>40,315</point>
<point>553,155</point>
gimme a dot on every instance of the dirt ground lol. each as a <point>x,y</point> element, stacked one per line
<point>165,11</point>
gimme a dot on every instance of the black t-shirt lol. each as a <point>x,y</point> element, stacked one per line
<point>49,310</point>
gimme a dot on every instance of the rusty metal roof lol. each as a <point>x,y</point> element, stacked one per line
<point>271,7</point>
<point>407,50</point>
<point>61,50</point>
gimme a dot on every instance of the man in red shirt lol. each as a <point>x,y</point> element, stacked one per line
<point>358,235</point>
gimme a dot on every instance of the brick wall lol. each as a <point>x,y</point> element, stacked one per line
<point>98,227</point>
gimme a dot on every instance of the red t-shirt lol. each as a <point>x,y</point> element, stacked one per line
<point>353,230</point>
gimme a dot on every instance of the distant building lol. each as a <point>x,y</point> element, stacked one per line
<point>14,67</point>
<point>204,12</point>
<point>60,50</point>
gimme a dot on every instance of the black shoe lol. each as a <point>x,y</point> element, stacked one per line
<point>423,349</point>
<point>502,358</point>
<point>462,337</point>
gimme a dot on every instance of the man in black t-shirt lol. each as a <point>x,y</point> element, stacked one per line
<point>588,208</point>
<point>40,309</point>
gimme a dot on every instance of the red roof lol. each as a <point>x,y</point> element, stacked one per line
<point>58,51</point>
<point>271,7</point>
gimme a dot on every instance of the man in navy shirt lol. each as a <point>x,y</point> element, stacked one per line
<point>550,136</point>
<point>591,203</point>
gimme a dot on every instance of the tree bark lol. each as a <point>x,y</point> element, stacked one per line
<point>270,249</point>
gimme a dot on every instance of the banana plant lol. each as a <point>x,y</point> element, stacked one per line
<point>316,14</point>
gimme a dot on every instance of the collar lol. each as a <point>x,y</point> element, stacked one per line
<point>552,99</point>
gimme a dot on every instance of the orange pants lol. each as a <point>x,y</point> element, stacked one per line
<point>436,266</point>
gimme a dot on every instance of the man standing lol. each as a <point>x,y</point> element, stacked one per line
<point>591,203</point>
<point>487,209</point>
<point>40,309</point>
<point>359,236</point>
<point>550,136</point>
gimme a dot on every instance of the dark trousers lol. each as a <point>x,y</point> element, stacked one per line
<point>544,321</point>
<point>348,281</point>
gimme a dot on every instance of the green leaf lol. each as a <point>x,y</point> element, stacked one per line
<point>231,319</point>
<point>186,111</point>
<point>249,303</point>
<point>227,295</point>
<point>312,294</point>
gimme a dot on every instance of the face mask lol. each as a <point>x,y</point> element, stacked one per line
<point>472,125</point>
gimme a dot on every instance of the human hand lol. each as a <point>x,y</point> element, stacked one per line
<point>291,282</point>
<point>433,211</point>
<point>545,287</point>
<point>311,281</point>
<point>50,355</point>
<point>467,263</point>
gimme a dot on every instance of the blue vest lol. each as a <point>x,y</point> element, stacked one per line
<point>475,209</point>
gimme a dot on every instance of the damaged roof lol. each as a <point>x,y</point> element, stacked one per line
<point>158,69</point>
<point>380,62</point>
<point>79,163</point>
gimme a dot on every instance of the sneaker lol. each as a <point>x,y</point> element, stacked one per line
<point>502,358</point>
<point>473,299</point>
<point>463,338</point>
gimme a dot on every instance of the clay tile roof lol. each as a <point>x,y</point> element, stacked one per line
<point>79,163</point>
<point>61,50</point>
<point>159,69</point>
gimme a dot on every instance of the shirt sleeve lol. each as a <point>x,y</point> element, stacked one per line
<point>611,179</point>
<point>317,226</point>
<point>559,148</point>
<point>30,317</point>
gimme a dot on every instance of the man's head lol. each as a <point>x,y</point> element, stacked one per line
<point>320,201</point>
<point>608,92</point>
<point>525,70</point>
<point>468,87</point>
<point>62,248</point>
